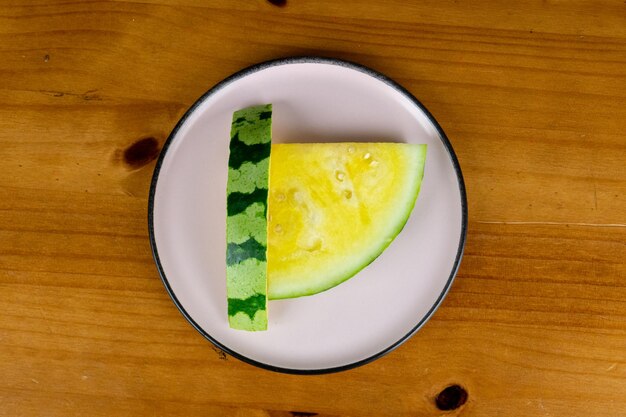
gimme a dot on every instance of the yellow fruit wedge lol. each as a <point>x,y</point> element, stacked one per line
<point>333,208</point>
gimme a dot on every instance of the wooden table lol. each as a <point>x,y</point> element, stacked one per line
<point>532,95</point>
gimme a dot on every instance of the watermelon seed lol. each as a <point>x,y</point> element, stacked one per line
<point>350,149</point>
<point>278,228</point>
<point>280,197</point>
<point>347,194</point>
<point>367,156</point>
<point>313,245</point>
<point>339,175</point>
<point>373,163</point>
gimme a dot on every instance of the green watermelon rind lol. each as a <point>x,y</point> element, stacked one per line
<point>246,221</point>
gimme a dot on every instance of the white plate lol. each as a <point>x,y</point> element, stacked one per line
<point>314,99</point>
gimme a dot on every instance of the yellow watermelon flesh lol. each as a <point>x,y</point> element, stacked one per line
<point>333,208</point>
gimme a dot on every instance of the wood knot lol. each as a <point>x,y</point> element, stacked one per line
<point>141,152</point>
<point>451,398</point>
<point>220,353</point>
<point>279,3</point>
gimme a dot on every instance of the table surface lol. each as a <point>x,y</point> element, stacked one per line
<point>532,95</point>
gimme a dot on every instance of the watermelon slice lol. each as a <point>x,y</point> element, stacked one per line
<point>334,208</point>
<point>246,225</point>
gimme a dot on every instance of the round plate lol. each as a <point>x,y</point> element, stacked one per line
<point>316,100</point>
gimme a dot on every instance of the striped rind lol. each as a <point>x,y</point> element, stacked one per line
<point>246,221</point>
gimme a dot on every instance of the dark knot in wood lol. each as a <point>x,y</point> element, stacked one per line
<point>451,398</point>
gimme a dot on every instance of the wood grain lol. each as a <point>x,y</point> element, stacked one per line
<point>532,95</point>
